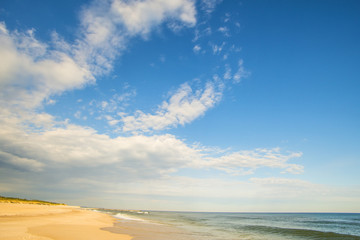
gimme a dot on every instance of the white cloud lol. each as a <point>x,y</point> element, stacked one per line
<point>42,143</point>
<point>66,145</point>
<point>217,49</point>
<point>201,33</point>
<point>209,5</point>
<point>111,120</point>
<point>224,30</point>
<point>112,108</point>
<point>227,74</point>
<point>197,48</point>
<point>183,107</point>
<point>245,162</point>
<point>50,101</point>
<point>227,17</point>
<point>30,72</point>
<point>107,26</point>
<point>142,16</point>
<point>241,72</point>
<point>77,115</point>
<point>104,104</point>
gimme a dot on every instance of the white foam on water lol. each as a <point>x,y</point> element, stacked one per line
<point>127,217</point>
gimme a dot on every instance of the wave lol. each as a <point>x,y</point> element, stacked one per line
<point>129,218</point>
<point>333,223</point>
<point>303,233</point>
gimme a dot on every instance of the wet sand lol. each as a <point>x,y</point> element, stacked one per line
<point>150,231</point>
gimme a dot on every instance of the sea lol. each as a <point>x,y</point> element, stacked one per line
<point>158,225</point>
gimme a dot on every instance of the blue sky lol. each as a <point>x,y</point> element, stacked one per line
<point>182,105</point>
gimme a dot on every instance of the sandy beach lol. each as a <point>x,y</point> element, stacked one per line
<point>54,222</point>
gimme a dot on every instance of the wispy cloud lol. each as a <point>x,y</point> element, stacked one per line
<point>227,74</point>
<point>183,107</point>
<point>209,5</point>
<point>217,48</point>
<point>241,72</point>
<point>197,48</point>
<point>116,103</point>
<point>224,30</point>
<point>245,162</point>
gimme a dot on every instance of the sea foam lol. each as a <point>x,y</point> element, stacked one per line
<point>127,217</point>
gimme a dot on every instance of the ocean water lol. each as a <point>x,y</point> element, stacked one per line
<point>249,226</point>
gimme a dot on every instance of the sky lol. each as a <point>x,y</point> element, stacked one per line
<point>185,105</point>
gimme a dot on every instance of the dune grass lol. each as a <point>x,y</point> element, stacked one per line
<point>22,200</point>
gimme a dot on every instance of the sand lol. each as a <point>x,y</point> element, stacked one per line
<point>54,222</point>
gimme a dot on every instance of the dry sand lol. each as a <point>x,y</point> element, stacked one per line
<point>54,222</point>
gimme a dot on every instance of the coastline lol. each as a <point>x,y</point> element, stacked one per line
<point>62,222</point>
<point>142,226</point>
<point>55,222</point>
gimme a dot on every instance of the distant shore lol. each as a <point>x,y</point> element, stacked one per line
<point>50,221</point>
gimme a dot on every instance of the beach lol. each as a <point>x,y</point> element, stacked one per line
<point>62,222</point>
<point>54,222</point>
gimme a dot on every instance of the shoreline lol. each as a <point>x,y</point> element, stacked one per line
<point>55,222</point>
<point>147,228</point>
